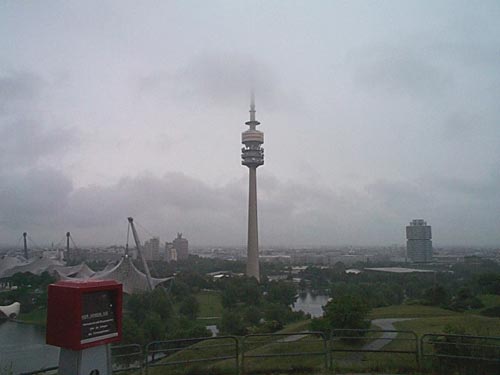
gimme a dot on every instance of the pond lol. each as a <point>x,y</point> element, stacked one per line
<point>311,303</point>
<point>23,348</point>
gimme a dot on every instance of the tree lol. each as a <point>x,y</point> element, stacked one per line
<point>231,323</point>
<point>192,279</point>
<point>229,297</point>
<point>252,315</point>
<point>241,290</point>
<point>281,292</point>
<point>277,312</point>
<point>190,307</point>
<point>161,304</point>
<point>154,327</point>
<point>180,289</point>
<point>489,283</point>
<point>250,292</point>
<point>465,300</point>
<point>132,333</point>
<point>435,296</point>
<point>346,311</point>
<point>138,305</point>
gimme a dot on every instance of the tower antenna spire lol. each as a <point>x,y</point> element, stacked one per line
<point>252,106</point>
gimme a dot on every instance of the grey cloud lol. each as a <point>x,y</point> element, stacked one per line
<point>97,214</point>
<point>18,90</point>
<point>172,197</point>
<point>27,136</point>
<point>485,190</point>
<point>400,196</point>
<point>400,70</point>
<point>462,211</point>
<point>222,79</point>
<point>37,196</point>
<point>290,212</point>
<point>472,55</point>
<point>24,142</point>
<point>466,125</point>
<point>461,124</point>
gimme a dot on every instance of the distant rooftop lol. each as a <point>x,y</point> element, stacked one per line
<point>398,270</point>
<point>418,222</point>
<point>353,271</point>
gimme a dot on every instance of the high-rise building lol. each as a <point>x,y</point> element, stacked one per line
<point>152,249</point>
<point>170,252</point>
<point>252,157</point>
<point>181,245</point>
<point>419,241</point>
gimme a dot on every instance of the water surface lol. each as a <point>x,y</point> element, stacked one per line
<point>310,303</point>
<point>23,348</point>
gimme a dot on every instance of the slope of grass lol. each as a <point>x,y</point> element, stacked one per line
<point>225,347</point>
<point>409,311</point>
<point>424,319</point>
<point>490,300</point>
<point>210,303</point>
<point>37,317</point>
<point>471,323</point>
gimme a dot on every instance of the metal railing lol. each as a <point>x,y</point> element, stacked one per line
<point>180,352</point>
<point>41,371</point>
<point>477,348</point>
<point>369,341</point>
<point>288,345</point>
<point>127,358</point>
<point>236,353</point>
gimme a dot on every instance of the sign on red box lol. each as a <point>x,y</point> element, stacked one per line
<point>82,314</point>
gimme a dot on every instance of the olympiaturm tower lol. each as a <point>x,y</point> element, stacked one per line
<point>252,156</point>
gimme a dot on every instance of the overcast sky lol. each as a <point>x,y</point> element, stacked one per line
<point>374,113</point>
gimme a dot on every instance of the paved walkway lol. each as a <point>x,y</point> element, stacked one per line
<point>387,337</point>
<point>292,338</point>
<point>377,344</point>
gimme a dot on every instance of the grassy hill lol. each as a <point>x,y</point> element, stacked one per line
<point>423,319</point>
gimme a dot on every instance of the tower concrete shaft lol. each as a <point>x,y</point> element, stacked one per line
<point>252,157</point>
<point>69,256</point>
<point>25,235</point>
<point>253,230</point>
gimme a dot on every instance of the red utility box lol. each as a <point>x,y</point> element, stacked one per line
<point>83,314</point>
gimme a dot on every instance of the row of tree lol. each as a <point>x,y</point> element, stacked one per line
<point>30,291</point>
<point>250,307</point>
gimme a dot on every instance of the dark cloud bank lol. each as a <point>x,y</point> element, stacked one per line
<point>44,202</point>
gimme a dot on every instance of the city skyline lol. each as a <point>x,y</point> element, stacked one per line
<point>378,113</point>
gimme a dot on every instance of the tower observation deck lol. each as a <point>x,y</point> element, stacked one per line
<point>252,155</point>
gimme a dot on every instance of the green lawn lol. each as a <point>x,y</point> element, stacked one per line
<point>218,348</point>
<point>37,316</point>
<point>425,320</point>
<point>409,311</point>
<point>472,324</point>
<point>210,304</point>
<point>489,300</point>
